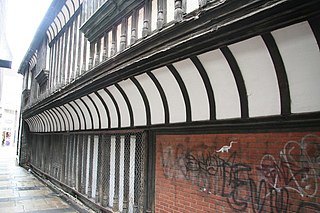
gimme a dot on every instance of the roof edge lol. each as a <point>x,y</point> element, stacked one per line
<point>53,10</point>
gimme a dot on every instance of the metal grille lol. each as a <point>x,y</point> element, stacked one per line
<point>107,168</point>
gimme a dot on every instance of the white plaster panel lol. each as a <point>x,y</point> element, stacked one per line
<point>259,76</point>
<point>31,124</point>
<point>136,101</point>
<point>101,109</point>
<point>170,11</point>
<point>111,108</point>
<point>51,122</point>
<point>93,111</point>
<point>38,124</point>
<point>56,120</point>
<point>45,121</point>
<point>41,122</point>
<point>68,121</point>
<point>300,53</point>
<point>191,6</point>
<point>87,118</point>
<point>83,117</point>
<point>38,127</point>
<point>76,125</point>
<point>124,111</point>
<point>140,22</point>
<point>225,90</point>
<point>196,89</point>
<point>154,98</point>
<point>177,108</point>
<point>62,120</point>
<point>154,15</point>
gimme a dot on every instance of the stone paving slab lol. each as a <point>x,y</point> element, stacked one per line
<point>20,191</point>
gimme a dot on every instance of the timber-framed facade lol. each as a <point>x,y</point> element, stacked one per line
<point>132,106</point>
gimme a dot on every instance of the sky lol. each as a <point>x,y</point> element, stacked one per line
<point>23,19</point>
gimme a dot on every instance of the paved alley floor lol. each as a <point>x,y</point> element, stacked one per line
<point>20,191</point>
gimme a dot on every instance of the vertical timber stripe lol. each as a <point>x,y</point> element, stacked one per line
<point>239,81</point>
<point>105,108</point>
<point>207,84</point>
<point>280,72</point>
<point>162,95</point>
<point>90,114</point>
<point>145,99</point>
<point>98,113</point>
<point>127,102</point>
<point>314,24</point>
<point>116,106</point>
<point>83,116</point>
<point>183,90</point>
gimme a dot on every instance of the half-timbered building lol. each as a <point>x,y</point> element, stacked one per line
<point>176,105</point>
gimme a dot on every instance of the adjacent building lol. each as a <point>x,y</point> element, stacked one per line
<point>8,111</point>
<point>5,53</point>
<point>176,105</point>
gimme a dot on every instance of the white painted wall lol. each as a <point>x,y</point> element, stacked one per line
<point>301,57</point>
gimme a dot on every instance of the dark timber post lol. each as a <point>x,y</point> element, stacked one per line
<point>123,37</point>
<point>178,11</point>
<point>161,14</point>
<point>147,18</point>
<point>105,46</point>
<point>114,42</point>
<point>151,156</point>
<point>117,175</point>
<point>134,25</point>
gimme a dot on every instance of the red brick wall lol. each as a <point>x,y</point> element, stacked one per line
<point>264,172</point>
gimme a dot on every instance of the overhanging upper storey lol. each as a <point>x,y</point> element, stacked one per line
<point>99,19</point>
<point>57,16</point>
<point>125,65</point>
<point>62,18</point>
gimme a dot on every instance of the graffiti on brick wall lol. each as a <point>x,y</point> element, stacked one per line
<point>267,185</point>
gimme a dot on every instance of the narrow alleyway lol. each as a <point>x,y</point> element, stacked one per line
<point>21,191</point>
